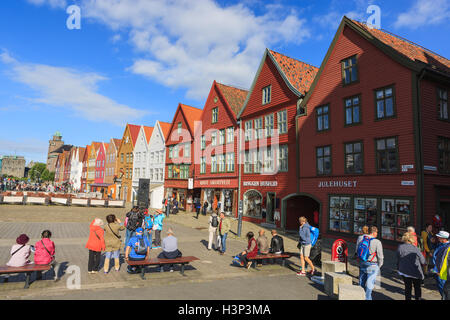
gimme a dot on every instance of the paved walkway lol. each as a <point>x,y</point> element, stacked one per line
<point>212,277</point>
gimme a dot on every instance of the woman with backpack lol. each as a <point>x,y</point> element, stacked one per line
<point>213,224</point>
<point>410,262</point>
<point>112,242</point>
<point>95,244</point>
<point>45,253</point>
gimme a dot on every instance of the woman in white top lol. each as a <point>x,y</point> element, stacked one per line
<point>20,252</point>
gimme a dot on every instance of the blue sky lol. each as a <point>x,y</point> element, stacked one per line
<point>134,60</point>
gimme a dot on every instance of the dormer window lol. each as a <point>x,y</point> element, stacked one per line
<point>349,70</point>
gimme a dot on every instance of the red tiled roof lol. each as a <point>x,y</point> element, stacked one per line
<point>165,128</point>
<point>235,97</point>
<point>148,133</point>
<point>407,48</point>
<point>192,114</point>
<point>134,132</point>
<point>299,74</point>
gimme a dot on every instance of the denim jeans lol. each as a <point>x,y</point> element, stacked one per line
<point>223,242</point>
<point>440,284</point>
<point>148,234</point>
<point>367,277</point>
<point>128,235</point>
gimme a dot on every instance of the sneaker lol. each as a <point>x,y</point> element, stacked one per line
<point>117,270</point>
<point>249,265</point>
<point>311,273</point>
<point>171,270</point>
<point>301,274</point>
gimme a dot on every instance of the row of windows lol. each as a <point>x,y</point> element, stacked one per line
<point>219,163</point>
<point>155,157</point>
<point>174,151</point>
<point>255,128</point>
<point>178,171</point>
<point>219,137</point>
<point>128,156</point>
<point>154,174</point>
<point>257,161</point>
<point>99,174</point>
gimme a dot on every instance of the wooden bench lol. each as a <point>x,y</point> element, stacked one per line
<point>160,262</point>
<point>28,270</point>
<point>282,256</point>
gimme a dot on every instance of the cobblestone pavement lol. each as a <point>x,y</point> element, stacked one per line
<point>70,228</point>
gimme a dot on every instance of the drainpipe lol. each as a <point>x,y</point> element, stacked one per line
<point>420,173</point>
<point>239,230</point>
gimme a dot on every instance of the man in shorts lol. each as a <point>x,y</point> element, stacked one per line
<point>304,245</point>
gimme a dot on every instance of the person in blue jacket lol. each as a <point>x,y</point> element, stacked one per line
<point>304,245</point>
<point>138,248</point>
<point>438,255</point>
<point>158,225</point>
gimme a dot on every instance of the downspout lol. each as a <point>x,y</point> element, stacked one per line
<point>239,180</point>
<point>420,172</point>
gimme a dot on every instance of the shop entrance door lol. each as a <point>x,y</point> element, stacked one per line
<point>270,206</point>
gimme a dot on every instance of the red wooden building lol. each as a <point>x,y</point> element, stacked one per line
<point>374,136</point>
<point>179,167</point>
<point>268,139</point>
<point>216,154</point>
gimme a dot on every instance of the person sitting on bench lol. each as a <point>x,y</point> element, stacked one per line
<point>263,245</point>
<point>170,248</point>
<point>20,252</point>
<point>250,252</point>
<point>45,253</point>
<point>276,244</point>
<point>138,249</point>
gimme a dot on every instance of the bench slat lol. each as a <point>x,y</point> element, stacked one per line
<point>27,268</point>
<point>156,261</point>
<point>270,256</point>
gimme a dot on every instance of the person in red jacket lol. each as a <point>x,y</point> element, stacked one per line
<point>95,244</point>
<point>45,253</point>
<point>252,251</point>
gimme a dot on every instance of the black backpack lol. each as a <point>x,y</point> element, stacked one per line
<point>134,221</point>
<point>214,222</point>
<point>141,248</point>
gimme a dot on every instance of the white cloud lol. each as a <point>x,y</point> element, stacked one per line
<point>27,147</point>
<point>188,44</point>
<point>52,3</point>
<point>65,87</point>
<point>424,12</point>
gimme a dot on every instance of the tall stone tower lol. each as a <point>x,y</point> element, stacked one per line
<point>52,156</point>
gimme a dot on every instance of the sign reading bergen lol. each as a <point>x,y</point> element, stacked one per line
<point>260,183</point>
<point>338,184</point>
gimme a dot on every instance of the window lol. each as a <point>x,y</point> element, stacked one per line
<point>143,172</point>
<point>248,164</point>
<point>214,138</point>
<point>266,94</point>
<point>352,110</point>
<point>179,127</point>
<point>169,171</point>
<point>444,154</point>
<point>187,150</point>
<point>443,104</point>
<point>384,101</point>
<point>395,217</point>
<point>213,164</point>
<point>176,153</point>
<point>221,158</point>
<point>222,136</point>
<point>258,128</point>
<point>230,135</point>
<point>349,70</point>
<point>203,142</point>
<point>283,158</point>
<point>121,157</point>
<point>215,114</point>
<point>268,125</point>
<point>128,157</point>
<point>258,158</point>
<point>268,160</point>
<point>184,171</point>
<point>365,212</point>
<point>387,155</point>
<point>230,162</point>
<point>202,165</point>
<point>340,214</point>
<point>322,118</point>
<point>323,156</point>
<point>353,157</point>
<point>170,152</point>
<point>282,121</point>
<point>248,131</point>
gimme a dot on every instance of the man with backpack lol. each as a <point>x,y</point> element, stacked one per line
<point>157,227</point>
<point>134,220</point>
<point>138,249</point>
<point>370,254</point>
<point>148,226</point>
<point>304,245</point>
<point>213,224</point>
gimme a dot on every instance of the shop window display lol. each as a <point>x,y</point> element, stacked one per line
<point>340,214</point>
<point>252,204</point>
<point>395,217</point>
<point>365,213</point>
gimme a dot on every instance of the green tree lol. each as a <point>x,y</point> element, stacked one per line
<point>36,171</point>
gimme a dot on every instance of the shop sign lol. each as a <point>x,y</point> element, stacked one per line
<point>406,167</point>
<point>338,184</point>
<point>407,183</point>
<point>260,183</point>
<point>190,183</point>
<point>215,182</point>
<point>430,168</point>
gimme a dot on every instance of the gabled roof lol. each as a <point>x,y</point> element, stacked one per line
<point>411,50</point>
<point>81,152</point>
<point>235,97</point>
<point>190,115</point>
<point>116,142</point>
<point>148,133</point>
<point>165,128</point>
<point>134,132</point>
<point>297,75</point>
<point>300,74</point>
